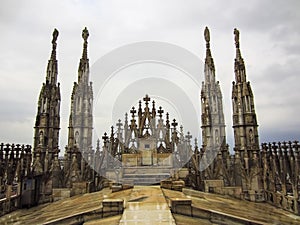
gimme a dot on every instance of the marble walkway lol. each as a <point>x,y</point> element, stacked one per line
<point>147,206</point>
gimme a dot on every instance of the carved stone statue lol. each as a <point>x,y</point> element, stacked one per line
<point>236,36</point>
<point>55,35</point>
<point>206,34</point>
<point>85,34</point>
<point>41,138</point>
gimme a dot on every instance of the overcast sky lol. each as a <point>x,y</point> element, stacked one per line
<point>269,36</point>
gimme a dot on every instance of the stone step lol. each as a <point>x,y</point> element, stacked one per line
<point>143,180</point>
<point>146,170</point>
<point>145,175</point>
<point>161,175</point>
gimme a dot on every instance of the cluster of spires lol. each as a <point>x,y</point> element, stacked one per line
<point>247,152</point>
<point>84,63</point>
<point>84,60</point>
<point>239,62</point>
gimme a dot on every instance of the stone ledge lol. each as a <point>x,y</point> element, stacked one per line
<point>181,206</point>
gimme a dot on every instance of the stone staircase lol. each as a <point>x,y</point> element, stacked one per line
<point>145,175</point>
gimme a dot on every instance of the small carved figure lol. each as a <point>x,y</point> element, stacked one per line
<point>236,36</point>
<point>206,34</point>
<point>41,138</point>
<point>76,137</point>
<point>85,34</point>
<point>55,35</point>
<point>251,136</point>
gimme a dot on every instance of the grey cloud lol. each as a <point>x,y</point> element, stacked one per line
<point>263,16</point>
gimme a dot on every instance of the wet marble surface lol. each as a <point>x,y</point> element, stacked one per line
<point>147,205</point>
<point>261,212</point>
<point>113,220</point>
<point>59,210</point>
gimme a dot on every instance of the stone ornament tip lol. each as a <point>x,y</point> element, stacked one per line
<point>55,35</point>
<point>206,34</point>
<point>85,34</point>
<point>236,37</point>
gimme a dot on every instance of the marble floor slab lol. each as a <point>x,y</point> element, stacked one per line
<point>147,205</point>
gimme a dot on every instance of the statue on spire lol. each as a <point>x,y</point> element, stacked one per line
<point>208,59</point>
<point>85,34</point>
<point>55,35</point>
<point>206,34</point>
<point>236,37</point>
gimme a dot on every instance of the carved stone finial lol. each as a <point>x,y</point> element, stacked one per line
<point>236,37</point>
<point>85,34</point>
<point>160,111</point>
<point>146,99</point>
<point>206,34</point>
<point>105,137</point>
<point>98,144</point>
<point>55,35</point>
<point>119,124</point>
<point>174,124</point>
<point>133,111</point>
<point>54,39</point>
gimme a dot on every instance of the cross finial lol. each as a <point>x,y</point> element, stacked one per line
<point>146,99</point>
<point>119,124</point>
<point>105,137</point>
<point>133,111</point>
<point>188,136</point>
<point>160,111</point>
<point>174,124</point>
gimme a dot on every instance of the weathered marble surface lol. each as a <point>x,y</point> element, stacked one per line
<point>150,205</point>
<point>147,205</point>
<point>59,210</point>
<point>259,212</point>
